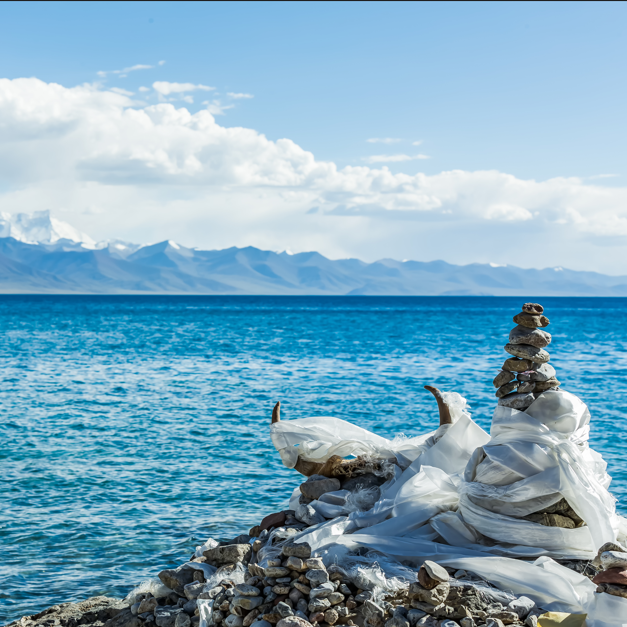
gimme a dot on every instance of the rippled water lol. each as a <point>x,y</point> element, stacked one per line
<point>132,428</point>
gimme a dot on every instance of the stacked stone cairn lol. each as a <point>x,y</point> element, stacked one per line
<point>527,373</point>
<point>612,579</point>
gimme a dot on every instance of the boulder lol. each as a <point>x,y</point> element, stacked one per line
<point>614,559</point>
<point>273,520</point>
<point>177,579</point>
<point>317,485</point>
<point>229,554</point>
<point>297,549</point>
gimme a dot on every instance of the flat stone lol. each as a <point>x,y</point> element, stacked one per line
<point>247,603</point>
<point>314,563</point>
<point>517,401</point>
<point>293,621</point>
<point>531,321</point>
<point>526,387</point>
<point>229,554</point>
<point>543,386</point>
<point>513,364</point>
<point>317,485</point>
<point>317,576</point>
<point>280,589</point>
<point>612,575</point>
<point>297,549</point>
<point>613,559</point>
<point>245,590</point>
<point>532,337</point>
<point>302,587</point>
<point>284,609</point>
<point>502,378</point>
<point>537,372</point>
<point>276,571</point>
<point>435,571</point>
<point>324,590</point>
<point>506,389</point>
<point>524,351</point>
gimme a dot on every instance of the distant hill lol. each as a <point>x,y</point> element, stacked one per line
<point>67,266</point>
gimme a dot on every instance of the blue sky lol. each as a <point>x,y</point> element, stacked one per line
<point>533,91</point>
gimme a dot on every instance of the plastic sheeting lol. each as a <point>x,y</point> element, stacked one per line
<point>459,495</point>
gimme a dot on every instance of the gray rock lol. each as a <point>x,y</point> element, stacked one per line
<point>344,589</point>
<point>331,616</point>
<point>261,623</point>
<point>524,351</point>
<point>147,605</point>
<point>398,621</point>
<point>295,563</point>
<point>317,576</point>
<point>317,485</point>
<point>427,621</point>
<point>532,337</point>
<point>124,619</point>
<point>413,616</point>
<point>302,587</point>
<point>190,607</point>
<point>293,621</point>
<point>247,603</point>
<point>301,606</point>
<point>301,550</point>
<point>366,595</point>
<point>538,372</point>
<point>244,590</point>
<point>531,620</point>
<point>314,562</point>
<point>276,571</point>
<point>166,616</point>
<point>322,591</point>
<point>284,609</point>
<point>192,590</point>
<point>613,559</point>
<point>182,620</point>
<point>506,389</point>
<point>435,596</point>
<point>513,364</point>
<point>494,622</point>
<point>435,571</point>
<point>233,621</point>
<point>467,621</point>
<point>526,387</point>
<point>302,615</point>
<point>308,515</point>
<point>448,623</point>
<point>373,613</point>
<point>543,386</point>
<point>517,401</point>
<point>502,378</point>
<point>229,554</point>
<point>319,605</point>
<point>177,579</point>
<point>134,609</point>
<point>522,606</point>
<point>335,598</point>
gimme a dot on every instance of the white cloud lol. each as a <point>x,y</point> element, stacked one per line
<point>383,140</point>
<point>124,92</point>
<point>418,142</point>
<point>238,96</point>
<point>143,89</point>
<point>165,88</point>
<point>392,158</point>
<point>126,70</point>
<point>215,107</point>
<point>161,172</point>
<point>603,176</point>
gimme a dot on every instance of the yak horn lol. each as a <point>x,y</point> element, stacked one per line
<point>276,413</point>
<point>445,414</point>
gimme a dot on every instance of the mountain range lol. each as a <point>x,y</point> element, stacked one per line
<point>42,255</point>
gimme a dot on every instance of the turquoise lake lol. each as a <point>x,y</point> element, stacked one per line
<point>133,428</point>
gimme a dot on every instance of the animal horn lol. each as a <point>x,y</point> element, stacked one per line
<point>276,413</point>
<point>445,414</point>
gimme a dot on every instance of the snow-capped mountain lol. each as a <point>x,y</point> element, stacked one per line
<point>41,228</point>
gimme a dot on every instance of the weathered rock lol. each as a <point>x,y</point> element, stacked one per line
<point>276,571</point>
<point>502,378</point>
<point>517,401</point>
<point>398,621</point>
<point>166,616</point>
<point>532,337</point>
<point>413,616</point>
<point>246,590</point>
<point>247,603</point>
<point>177,579</point>
<point>524,351</point>
<point>192,590</point>
<point>295,563</point>
<point>317,485</point>
<point>467,621</point>
<point>314,563</point>
<point>182,620</point>
<point>363,482</point>
<point>323,591</point>
<point>229,554</point>
<point>302,587</point>
<point>538,372</point>
<point>526,387</point>
<point>317,576</point>
<point>280,589</point>
<point>273,520</point>
<point>506,389</point>
<point>190,607</point>
<point>293,621</point>
<point>617,591</point>
<point>331,616</point>
<point>535,309</point>
<point>284,609</point>
<point>435,571</point>
<point>522,606</point>
<point>434,596</point>
<point>262,623</point>
<point>233,621</point>
<point>300,550</point>
<point>531,321</point>
<point>616,576</point>
<point>543,386</point>
<point>613,559</point>
<point>373,613</point>
<point>147,605</point>
<point>319,605</point>
<point>513,364</point>
<point>494,622</point>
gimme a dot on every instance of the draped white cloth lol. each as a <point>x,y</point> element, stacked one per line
<point>459,495</point>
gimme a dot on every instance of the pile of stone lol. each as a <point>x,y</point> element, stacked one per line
<point>612,559</point>
<point>526,374</point>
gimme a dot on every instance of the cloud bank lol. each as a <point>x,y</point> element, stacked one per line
<point>118,168</point>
